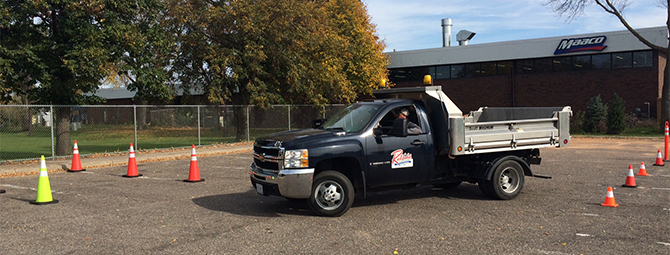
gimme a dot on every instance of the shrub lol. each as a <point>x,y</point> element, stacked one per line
<point>595,116</point>
<point>576,122</point>
<point>616,115</point>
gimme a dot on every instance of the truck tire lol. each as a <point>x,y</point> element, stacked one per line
<point>506,182</point>
<point>332,194</point>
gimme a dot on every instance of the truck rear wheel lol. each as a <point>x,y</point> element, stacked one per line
<point>332,194</point>
<point>506,182</point>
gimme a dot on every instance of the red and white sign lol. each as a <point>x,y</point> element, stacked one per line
<point>401,159</point>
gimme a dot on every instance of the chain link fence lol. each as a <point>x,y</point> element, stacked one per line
<point>29,131</point>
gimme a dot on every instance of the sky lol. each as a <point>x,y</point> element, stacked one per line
<point>411,25</point>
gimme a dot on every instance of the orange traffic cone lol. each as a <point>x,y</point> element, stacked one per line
<point>132,164</point>
<point>643,170</point>
<point>630,178</point>
<point>76,161</point>
<point>194,172</point>
<point>609,198</point>
<point>659,159</point>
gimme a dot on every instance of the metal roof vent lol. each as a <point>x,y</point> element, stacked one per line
<point>464,36</point>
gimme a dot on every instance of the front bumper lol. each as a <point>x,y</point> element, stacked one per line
<point>290,183</point>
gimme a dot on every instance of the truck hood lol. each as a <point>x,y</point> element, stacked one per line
<point>296,138</point>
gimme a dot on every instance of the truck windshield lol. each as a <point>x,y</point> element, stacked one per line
<point>353,118</point>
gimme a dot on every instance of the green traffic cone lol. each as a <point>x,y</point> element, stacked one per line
<point>43,186</point>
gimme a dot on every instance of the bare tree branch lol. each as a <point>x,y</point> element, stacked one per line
<point>616,9</point>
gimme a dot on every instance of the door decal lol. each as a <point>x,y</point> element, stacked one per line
<point>401,159</point>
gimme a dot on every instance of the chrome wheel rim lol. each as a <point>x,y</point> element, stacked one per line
<point>509,180</point>
<point>329,195</point>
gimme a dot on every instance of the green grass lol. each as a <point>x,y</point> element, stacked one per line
<point>112,138</point>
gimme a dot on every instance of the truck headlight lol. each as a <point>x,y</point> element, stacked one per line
<point>296,158</point>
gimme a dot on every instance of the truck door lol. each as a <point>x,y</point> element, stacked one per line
<point>395,159</point>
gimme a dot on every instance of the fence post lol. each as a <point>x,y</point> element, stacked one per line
<point>198,125</point>
<point>135,124</point>
<point>323,113</point>
<point>289,116</point>
<point>53,150</point>
<point>248,124</point>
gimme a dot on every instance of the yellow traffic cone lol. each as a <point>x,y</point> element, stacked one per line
<point>43,186</point>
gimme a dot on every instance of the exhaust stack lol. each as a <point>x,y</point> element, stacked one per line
<point>446,32</point>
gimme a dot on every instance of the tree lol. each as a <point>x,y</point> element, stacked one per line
<point>595,116</point>
<point>574,8</point>
<point>146,63</point>
<point>62,50</point>
<point>274,52</point>
<point>616,115</point>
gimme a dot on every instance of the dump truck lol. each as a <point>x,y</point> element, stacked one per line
<point>367,147</point>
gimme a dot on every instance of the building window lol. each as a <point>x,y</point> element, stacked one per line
<point>542,65</point>
<point>442,72</point>
<point>582,62</point>
<point>524,66</point>
<point>622,60</point>
<point>504,67</point>
<point>488,69</point>
<point>643,59</point>
<point>602,61</point>
<point>472,70</point>
<point>457,71</point>
<point>562,64</point>
<point>410,74</point>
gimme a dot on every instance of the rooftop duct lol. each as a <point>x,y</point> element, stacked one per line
<point>464,36</point>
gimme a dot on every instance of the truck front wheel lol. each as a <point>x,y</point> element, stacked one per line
<point>332,194</point>
<point>506,182</point>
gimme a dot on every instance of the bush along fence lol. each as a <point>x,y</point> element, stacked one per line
<point>28,131</point>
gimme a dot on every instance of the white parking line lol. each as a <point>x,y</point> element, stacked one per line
<point>579,234</point>
<point>666,244</point>
<point>590,214</point>
<point>662,188</point>
<point>33,189</point>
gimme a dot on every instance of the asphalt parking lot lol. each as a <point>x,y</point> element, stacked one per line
<point>100,212</point>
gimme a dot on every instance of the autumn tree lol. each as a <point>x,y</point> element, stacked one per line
<point>572,9</point>
<point>276,52</point>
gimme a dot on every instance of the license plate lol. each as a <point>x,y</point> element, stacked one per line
<point>259,188</point>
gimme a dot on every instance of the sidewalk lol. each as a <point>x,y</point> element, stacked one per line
<point>98,161</point>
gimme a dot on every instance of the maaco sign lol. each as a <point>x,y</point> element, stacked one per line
<point>595,43</point>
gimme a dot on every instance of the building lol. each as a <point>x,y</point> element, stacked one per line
<point>556,71</point>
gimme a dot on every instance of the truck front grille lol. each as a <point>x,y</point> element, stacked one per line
<point>268,159</point>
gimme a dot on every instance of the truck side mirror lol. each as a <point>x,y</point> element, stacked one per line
<point>399,128</point>
<point>317,123</point>
<point>377,132</point>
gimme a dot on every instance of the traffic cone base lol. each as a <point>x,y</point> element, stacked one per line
<point>609,198</point>
<point>131,176</point>
<point>194,170</point>
<point>43,187</point>
<point>2,191</point>
<point>630,178</point>
<point>76,160</point>
<point>643,170</point>
<point>53,201</point>
<point>659,159</point>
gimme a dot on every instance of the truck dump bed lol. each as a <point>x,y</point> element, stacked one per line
<point>488,129</point>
